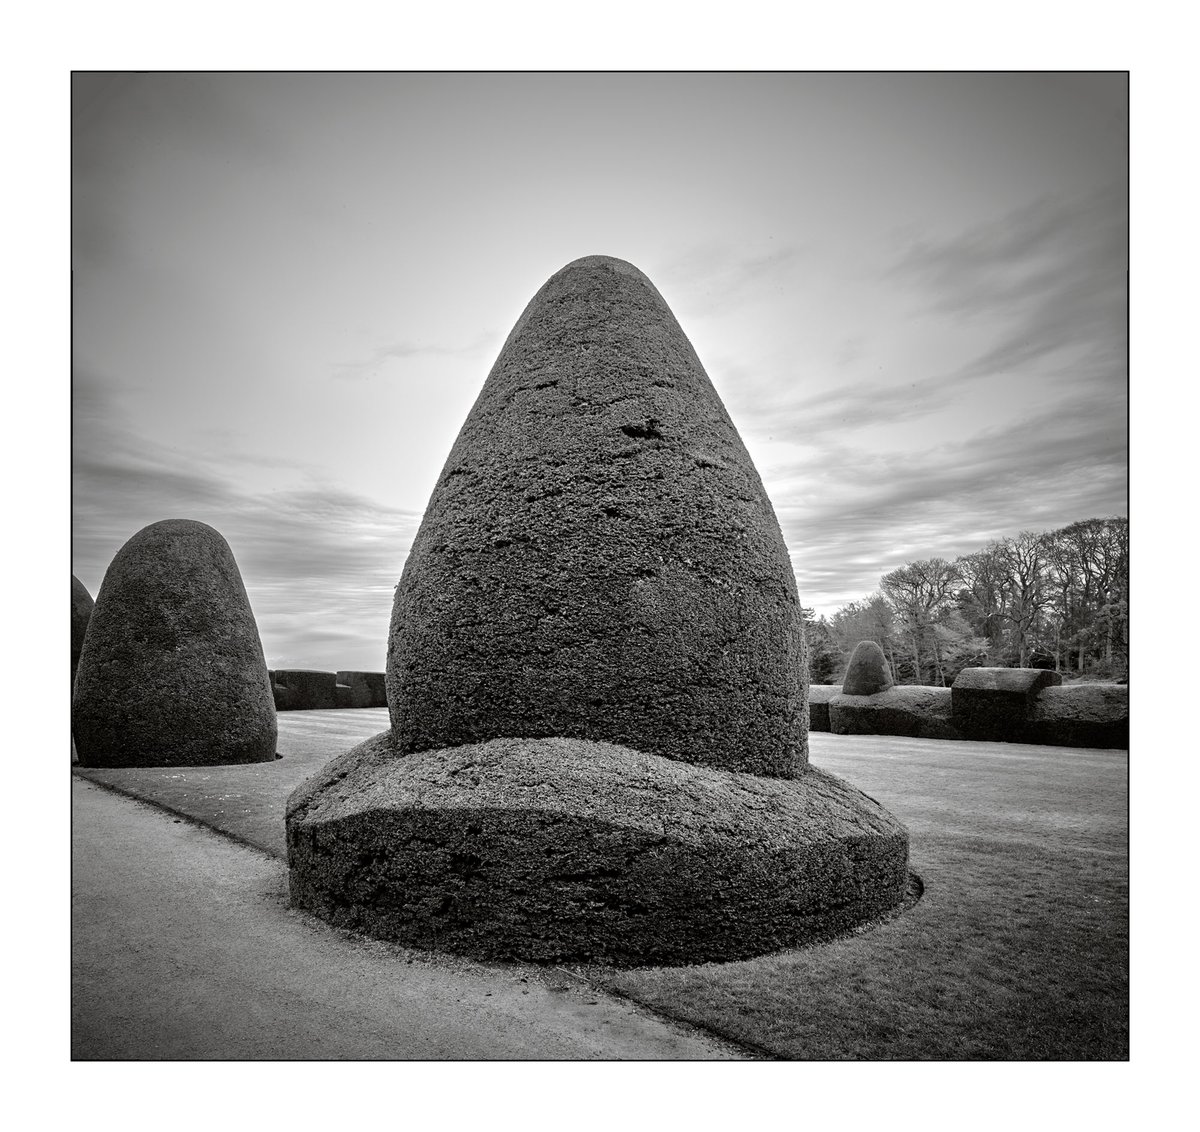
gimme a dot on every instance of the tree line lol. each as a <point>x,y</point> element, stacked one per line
<point>1058,600</point>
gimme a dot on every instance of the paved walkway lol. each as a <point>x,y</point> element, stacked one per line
<point>184,947</point>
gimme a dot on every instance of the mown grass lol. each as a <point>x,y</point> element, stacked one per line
<point>1018,949</point>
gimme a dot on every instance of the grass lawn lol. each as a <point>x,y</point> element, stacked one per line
<point>1019,948</point>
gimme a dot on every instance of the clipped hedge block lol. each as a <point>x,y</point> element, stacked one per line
<point>367,689</point>
<point>819,696</point>
<point>304,690</point>
<point>1081,715</point>
<point>996,704</point>
<point>914,710</point>
<point>868,671</point>
<point>563,850</point>
<point>172,671</point>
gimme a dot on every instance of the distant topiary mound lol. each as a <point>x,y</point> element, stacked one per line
<point>81,612</point>
<point>599,558</point>
<point>868,671</point>
<point>172,670</point>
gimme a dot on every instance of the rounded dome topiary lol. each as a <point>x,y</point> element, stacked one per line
<point>172,671</point>
<point>867,673</point>
<point>81,612</point>
<point>599,559</point>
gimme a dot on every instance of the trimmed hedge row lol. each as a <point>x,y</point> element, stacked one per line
<point>1081,715</point>
<point>299,689</point>
<point>1012,705</point>
<point>819,696</point>
<point>913,710</point>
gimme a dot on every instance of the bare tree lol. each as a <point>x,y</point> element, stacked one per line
<point>1024,559</point>
<point>921,593</point>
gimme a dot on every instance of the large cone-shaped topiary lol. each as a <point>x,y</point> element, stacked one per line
<point>81,612</point>
<point>172,670</point>
<point>596,679</point>
<point>599,558</point>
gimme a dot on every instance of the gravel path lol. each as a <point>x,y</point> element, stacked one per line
<point>184,947</point>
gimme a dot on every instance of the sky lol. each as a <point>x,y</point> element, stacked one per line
<point>287,290</point>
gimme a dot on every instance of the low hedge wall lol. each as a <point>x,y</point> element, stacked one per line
<point>997,703</point>
<point>1081,715</point>
<point>362,689</point>
<point>819,696</point>
<point>988,704</point>
<point>299,689</point>
<point>909,709</point>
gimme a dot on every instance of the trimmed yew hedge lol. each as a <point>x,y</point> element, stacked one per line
<point>819,696</point>
<point>172,672</point>
<point>907,709</point>
<point>986,704</point>
<point>300,689</point>
<point>997,703</point>
<point>362,689</point>
<point>562,850</point>
<point>81,612</point>
<point>1081,715</point>
<point>868,671</point>
<point>599,557</point>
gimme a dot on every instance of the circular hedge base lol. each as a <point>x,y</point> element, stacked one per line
<point>565,850</point>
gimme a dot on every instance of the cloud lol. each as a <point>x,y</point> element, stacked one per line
<point>712,278</point>
<point>1051,277</point>
<point>1043,291</point>
<point>319,563</point>
<point>849,518</point>
<point>400,351</point>
<point>856,406</point>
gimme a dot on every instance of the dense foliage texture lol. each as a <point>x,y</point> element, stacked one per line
<point>997,703</point>
<point>563,850</point>
<point>599,558</point>
<point>867,672</point>
<point>303,689</point>
<point>362,689</point>
<point>172,670</point>
<point>81,612</point>
<point>596,681</point>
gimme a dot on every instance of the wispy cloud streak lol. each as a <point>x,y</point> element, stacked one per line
<point>1050,276</point>
<point>404,350</point>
